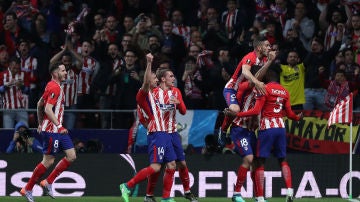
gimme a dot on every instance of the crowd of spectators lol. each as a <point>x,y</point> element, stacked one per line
<point>104,43</point>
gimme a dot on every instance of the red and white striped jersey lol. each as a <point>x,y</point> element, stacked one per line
<point>13,96</point>
<point>274,105</point>
<point>246,100</point>
<point>54,95</point>
<point>183,31</point>
<point>164,110</point>
<point>70,87</point>
<point>111,88</point>
<point>85,75</point>
<point>29,65</point>
<point>249,59</point>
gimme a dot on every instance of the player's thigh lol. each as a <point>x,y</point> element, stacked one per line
<point>51,143</point>
<point>244,140</point>
<point>264,143</point>
<point>230,96</point>
<point>160,148</point>
<point>176,142</point>
<point>279,142</point>
<point>66,142</point>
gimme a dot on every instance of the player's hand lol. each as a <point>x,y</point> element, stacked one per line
<point>174,100</point>
<point>39,129</point>
<point>62,129</point>
<point>300,115</point>
<point>272,55</point>
<point>149,58</point>
<point>229,113</point>
<point>260,87</point>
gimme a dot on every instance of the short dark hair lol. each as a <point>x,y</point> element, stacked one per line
<point>258,41</point>
<point>54,66</point>
<point>15,59</point>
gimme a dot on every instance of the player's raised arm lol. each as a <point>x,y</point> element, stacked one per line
<point>262,71</point>
<point>147,76</point>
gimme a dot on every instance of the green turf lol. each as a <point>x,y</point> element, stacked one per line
<point>141,199</point>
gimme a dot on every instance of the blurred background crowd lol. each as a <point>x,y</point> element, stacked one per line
<point>103,45</point>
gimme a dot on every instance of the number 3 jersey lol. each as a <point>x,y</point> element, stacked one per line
<point>274,105</point>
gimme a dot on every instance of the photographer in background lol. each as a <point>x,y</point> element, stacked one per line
<point>23,141</point>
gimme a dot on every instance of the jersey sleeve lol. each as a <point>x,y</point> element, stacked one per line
<point>181,106</point>
<point>141,98</point>
<point>243,86</point>
<point>289,112</point>
<point>260,101</point>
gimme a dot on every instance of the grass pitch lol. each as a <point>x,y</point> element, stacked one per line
<point>141,199</point>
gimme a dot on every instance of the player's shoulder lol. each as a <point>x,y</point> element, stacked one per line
<point>249,58</point>
<point>276,88</point>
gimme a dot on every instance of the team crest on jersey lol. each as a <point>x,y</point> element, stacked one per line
<point>248,61</point>
<point>52,95</point>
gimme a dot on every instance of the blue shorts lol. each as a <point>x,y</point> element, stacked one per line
<point>230,96</point>
<point>244,140</point>
<point>179,151</point>
<point>53,143</point>
<point>160,148</point>
<point>273,138</point>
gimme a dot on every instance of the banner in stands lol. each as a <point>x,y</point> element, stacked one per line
<point>193,127</point>
<point>314,176</point>
<point>312,135</point>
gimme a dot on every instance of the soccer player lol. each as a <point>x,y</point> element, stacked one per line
<point>167,82</point>
<point>242,132</point>
<point>273,105</point>
<point>258,57</point>
<point>166,87</point>
<point>244,137</point>
<point>50,109</point>
<point>160,146</point>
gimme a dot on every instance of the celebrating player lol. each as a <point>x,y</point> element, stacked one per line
<point>273,105</point>
<point>50,109</point>
<point>258,57</point>
<point>160,146</point>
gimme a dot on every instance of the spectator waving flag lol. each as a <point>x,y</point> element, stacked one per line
<point>342,113</point>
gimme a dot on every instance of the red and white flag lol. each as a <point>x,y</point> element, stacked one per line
<point>342,113</point>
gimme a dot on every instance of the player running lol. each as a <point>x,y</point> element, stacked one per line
<point>50,110</point>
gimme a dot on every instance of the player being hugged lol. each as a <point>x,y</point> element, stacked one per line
<point>50,110</point>
<point>272,105</point>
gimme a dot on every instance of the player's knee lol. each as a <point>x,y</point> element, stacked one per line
<point>181,164</point>
<point>171,165</point>
<point>71,158</point>
<point>234,107</point>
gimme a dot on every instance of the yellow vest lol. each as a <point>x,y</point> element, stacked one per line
<point>293,80</point>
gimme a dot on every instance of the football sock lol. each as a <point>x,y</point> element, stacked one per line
<point>184,177</point>
<point>60,167</point>
<point>241,177</point>
<point>259,178</point>
<point>140,176</point>
<point>252,174</point>
<point>152,179</point>
<point>286,172</point>
<point>39,171</point>
<point>168,182</point>
<point>226,123</point>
